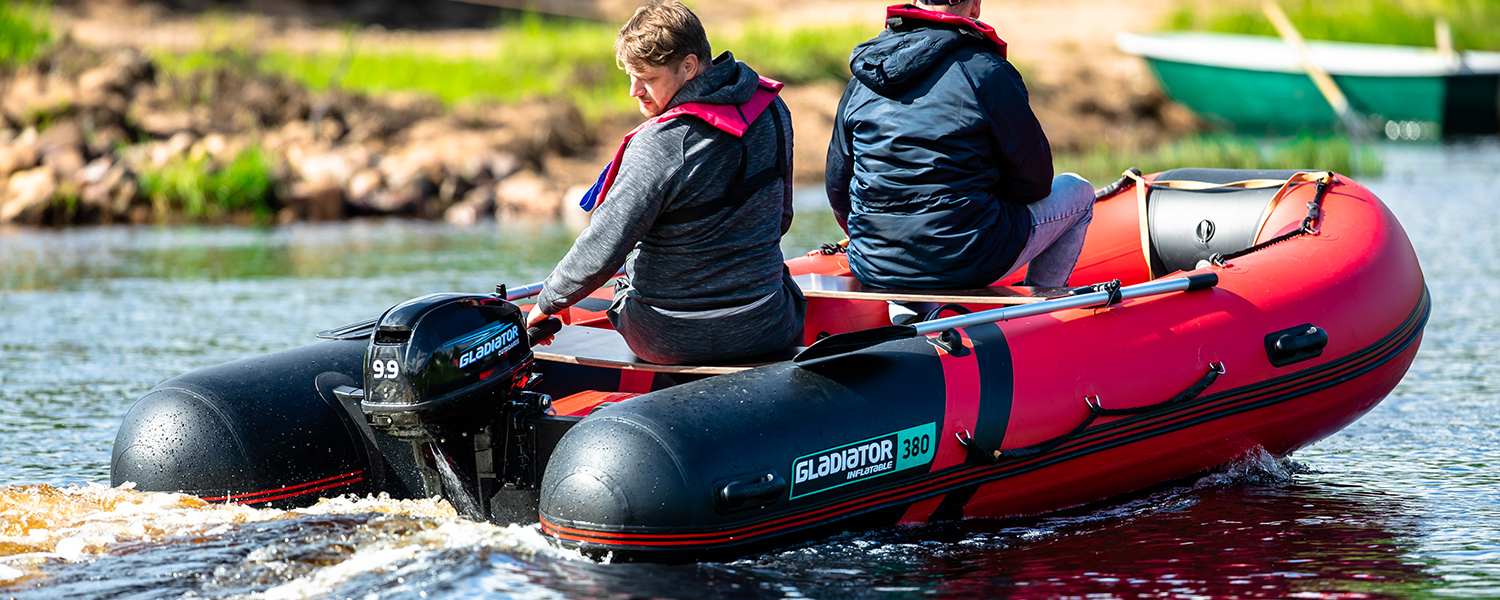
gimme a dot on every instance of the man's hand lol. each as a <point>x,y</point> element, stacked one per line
<point>534,319</point>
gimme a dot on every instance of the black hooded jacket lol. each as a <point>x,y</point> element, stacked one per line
<point>935,153</point>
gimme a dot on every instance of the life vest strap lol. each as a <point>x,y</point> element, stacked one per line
<point>737,194</point>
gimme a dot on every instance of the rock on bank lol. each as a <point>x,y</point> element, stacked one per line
<point>89,136</point>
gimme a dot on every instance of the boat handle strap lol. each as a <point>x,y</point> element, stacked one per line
<point>1309,225</point>
<point>1096,410</point>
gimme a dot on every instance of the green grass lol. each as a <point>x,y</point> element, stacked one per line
<point>1475,23</point>
<point>1333,153</point>
<point>24,31</point>
<point>199,189</point>
<point>537,58</point>
<point>546,58</point>
<point>802,55</point>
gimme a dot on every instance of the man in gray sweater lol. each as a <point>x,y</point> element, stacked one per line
<point>701,192</point>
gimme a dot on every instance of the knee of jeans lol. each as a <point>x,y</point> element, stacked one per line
<point>1070,176</point>
<point>1073,185</point>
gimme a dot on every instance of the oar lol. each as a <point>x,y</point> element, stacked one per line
<point>532,289</point>
<point>844,343</point>
<point>1320,78</point>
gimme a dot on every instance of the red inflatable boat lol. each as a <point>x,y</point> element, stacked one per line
<point>1316,313</point>
<point>1225,311</point>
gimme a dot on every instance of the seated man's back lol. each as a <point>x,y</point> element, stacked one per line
<point>936,158</point>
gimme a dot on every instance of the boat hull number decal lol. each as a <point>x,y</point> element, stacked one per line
<point>863,460</point>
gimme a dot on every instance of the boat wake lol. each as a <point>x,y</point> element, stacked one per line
<point>1254,467</point>
<point>57,538</point>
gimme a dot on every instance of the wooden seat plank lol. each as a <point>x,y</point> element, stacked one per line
<point>815,285</point>
<point>596,347</point>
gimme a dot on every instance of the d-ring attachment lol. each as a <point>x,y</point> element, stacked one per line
<point>1217,366</point>
<point>1093,401</point>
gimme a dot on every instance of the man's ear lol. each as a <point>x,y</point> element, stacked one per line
<point>689,66</point>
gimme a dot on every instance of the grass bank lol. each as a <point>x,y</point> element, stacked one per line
<point>1475,23</point>
<point>537,57</point>
<point>1335,153</point>
<point>202,190</point>
<point>24,31</point>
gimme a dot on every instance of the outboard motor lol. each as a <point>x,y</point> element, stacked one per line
<point>448,373</point>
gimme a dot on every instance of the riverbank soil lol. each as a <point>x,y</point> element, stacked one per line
<point>87,132</point>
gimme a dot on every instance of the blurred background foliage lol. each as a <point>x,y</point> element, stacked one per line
<point>1475,23</point>
<point>549,57</point>
<point>24,31</point>
<point>198,188</point>
<point>538,56</point>
<point>1323,152</point>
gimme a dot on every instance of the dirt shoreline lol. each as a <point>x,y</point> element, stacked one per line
<point>337,155</point>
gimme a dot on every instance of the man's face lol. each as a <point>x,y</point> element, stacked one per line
<point>654,86</point>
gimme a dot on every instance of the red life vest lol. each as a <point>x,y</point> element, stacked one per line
<point>729,118</point>
<point>911,12</point>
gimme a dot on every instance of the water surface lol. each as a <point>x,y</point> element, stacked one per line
<point>1404,503</point>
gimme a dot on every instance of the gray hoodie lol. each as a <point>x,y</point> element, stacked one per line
<point>728,259</point>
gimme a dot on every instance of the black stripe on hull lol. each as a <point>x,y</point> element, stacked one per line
<point>997,384</point>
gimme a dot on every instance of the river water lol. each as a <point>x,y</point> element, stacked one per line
<point>1404,503</point>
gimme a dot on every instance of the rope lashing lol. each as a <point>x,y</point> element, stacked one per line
<point>1096,410</point>
<point>1309,225</point>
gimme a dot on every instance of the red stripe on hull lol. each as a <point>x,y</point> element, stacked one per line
<point>961,395</point>
<point>290,491</point>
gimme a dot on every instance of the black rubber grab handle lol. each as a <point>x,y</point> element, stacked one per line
<point>1202,281</point>
<point>1295,344</point>
<point>1313,338</point>
<point>1123,183</point>
<point>547,328</point>
<point>751,491</point>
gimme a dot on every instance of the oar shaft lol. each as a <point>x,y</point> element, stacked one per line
<point>525,291</point>
<point>1192,282</point>
<point>529,290</point>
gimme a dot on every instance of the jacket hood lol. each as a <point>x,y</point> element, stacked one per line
<point>913,42</point>
<point>727,81</point>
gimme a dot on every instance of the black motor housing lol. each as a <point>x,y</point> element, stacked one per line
<point>444,363</point>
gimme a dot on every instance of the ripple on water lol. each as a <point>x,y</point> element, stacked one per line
<point>1402,503</point>
<point>100,542</point>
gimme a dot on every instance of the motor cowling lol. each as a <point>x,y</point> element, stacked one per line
<point>443,363</point>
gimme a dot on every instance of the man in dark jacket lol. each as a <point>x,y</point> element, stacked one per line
<point>701,193</point>
<point>938,169</point>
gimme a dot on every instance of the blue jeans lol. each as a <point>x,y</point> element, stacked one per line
<point>1058,223</point>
